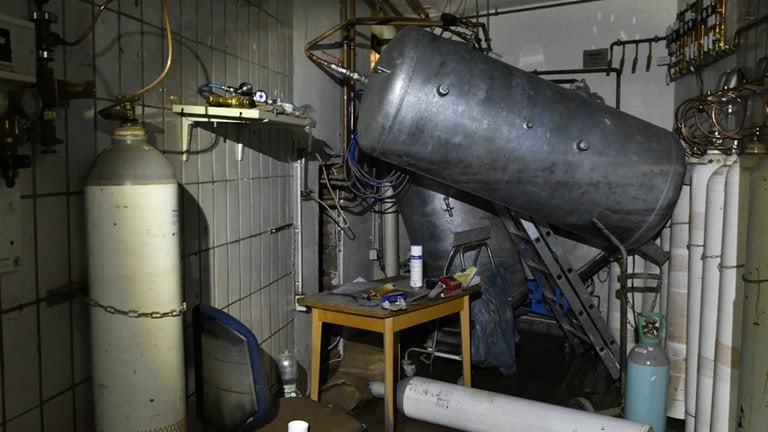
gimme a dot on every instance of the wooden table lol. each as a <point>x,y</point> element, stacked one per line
<point>343,310</point>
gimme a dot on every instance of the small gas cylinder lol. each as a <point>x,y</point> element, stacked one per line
<point>648,374</point>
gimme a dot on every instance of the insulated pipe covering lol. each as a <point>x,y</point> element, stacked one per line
<point>438,108</point>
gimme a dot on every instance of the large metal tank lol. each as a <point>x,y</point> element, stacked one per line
<point>439,108</point>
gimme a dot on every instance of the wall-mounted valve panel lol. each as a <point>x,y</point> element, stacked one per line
<point>17,49</point>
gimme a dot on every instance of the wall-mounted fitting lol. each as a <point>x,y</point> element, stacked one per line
<point>123,111</point>
<point>55,93</point>
<point>11,137</point>
<point>18,106</point>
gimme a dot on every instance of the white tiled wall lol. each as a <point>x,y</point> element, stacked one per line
<point>230,259</point>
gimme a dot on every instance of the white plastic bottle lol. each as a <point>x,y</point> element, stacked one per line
<point>417,267</point>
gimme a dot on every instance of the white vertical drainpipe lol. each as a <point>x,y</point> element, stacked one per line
<point>677,303</point>
<point>702,168</point>
<point>710,281</point>
<point>731,295</point>
<point>298,178</point>
<point>391,232</point>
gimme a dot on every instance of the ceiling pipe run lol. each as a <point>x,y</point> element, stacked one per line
<point>529,9</point>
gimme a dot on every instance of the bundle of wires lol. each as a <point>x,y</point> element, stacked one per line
<point>360,182</point>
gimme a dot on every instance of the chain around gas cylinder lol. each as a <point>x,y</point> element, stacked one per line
<point>133,313</point>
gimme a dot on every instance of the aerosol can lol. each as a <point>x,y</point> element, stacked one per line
<point>648,374</point>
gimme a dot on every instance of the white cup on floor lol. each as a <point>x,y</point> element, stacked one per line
<point>298,426</point>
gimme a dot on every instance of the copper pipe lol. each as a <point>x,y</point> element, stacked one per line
<point>742,29</point>
<point>348,86</point>
<point>528,9</point>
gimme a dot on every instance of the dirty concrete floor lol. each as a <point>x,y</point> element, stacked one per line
<point>548,370</point>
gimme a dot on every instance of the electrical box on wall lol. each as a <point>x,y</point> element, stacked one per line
<point>10,228</point>
<point>17,49</point>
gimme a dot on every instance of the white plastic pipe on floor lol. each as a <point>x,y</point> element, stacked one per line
<point>475,410</point>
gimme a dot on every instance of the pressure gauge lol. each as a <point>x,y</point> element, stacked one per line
<point>260,96</point>
<point>26,103</point>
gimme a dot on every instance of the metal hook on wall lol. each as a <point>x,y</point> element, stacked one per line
<point>634,60</point>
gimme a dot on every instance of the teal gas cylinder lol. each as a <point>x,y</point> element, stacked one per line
<point>648,374</point>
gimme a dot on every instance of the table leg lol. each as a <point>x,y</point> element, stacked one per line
<point>466,347</point>
<point>391,346</point>
<point>317,341</point>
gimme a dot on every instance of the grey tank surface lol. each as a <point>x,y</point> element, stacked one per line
<point>438,108</point>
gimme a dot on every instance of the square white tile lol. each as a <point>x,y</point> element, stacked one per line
<point>81,142</point>
<point>153,58</point>
<point>245,208</point>
<point>246,267</point>
<point>130,53</point>
<point>233,273</point>
<point>220,277</point>
<point>220,213</point>
<point>52,243</point>
<point>265,306</point>
<point>205,19</point>
<point>206,201</point>
<point>84,404</point>
<point>58,413</point>
<point>191,215</point>
<point>21,375</point>
<point>30,421</point>
<point>55,348</point>
<point>18,286</point>
<point>81,341</point>
<point>233,210</point>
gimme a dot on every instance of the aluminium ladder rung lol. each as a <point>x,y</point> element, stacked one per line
<point>579,300</point>
<point>557,271</point>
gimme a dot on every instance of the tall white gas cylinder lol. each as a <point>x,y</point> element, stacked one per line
<point>730,299</point>
<point>645,399</point>
<point>710,283</point>
<point>701,169</point>
<point>753,395</point>
<point>677,303</point>
<point>134,279</point>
